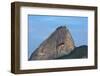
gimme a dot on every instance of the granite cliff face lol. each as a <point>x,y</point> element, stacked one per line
<point>59,43</point>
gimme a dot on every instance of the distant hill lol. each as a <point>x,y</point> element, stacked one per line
<point>78,52</point>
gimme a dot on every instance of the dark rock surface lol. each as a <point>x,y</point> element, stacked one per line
<point>78,52</point>
<point>59,43</point>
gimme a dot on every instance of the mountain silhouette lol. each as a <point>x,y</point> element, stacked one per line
<point>78,52</point>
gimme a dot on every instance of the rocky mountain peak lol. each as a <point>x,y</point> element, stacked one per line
<point>59,43</point>
<point>61,27</point>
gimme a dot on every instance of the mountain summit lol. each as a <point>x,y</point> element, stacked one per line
<point>59,43</point>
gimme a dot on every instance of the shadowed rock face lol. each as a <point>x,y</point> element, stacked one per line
<point>59,43</point>
<point>77,53</point>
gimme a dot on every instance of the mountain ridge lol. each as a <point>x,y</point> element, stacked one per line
<point>78,52</point>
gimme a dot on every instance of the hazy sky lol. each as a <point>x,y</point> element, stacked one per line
<point>40,27</point>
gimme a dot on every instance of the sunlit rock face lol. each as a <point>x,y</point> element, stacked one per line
<point>59,43</point>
